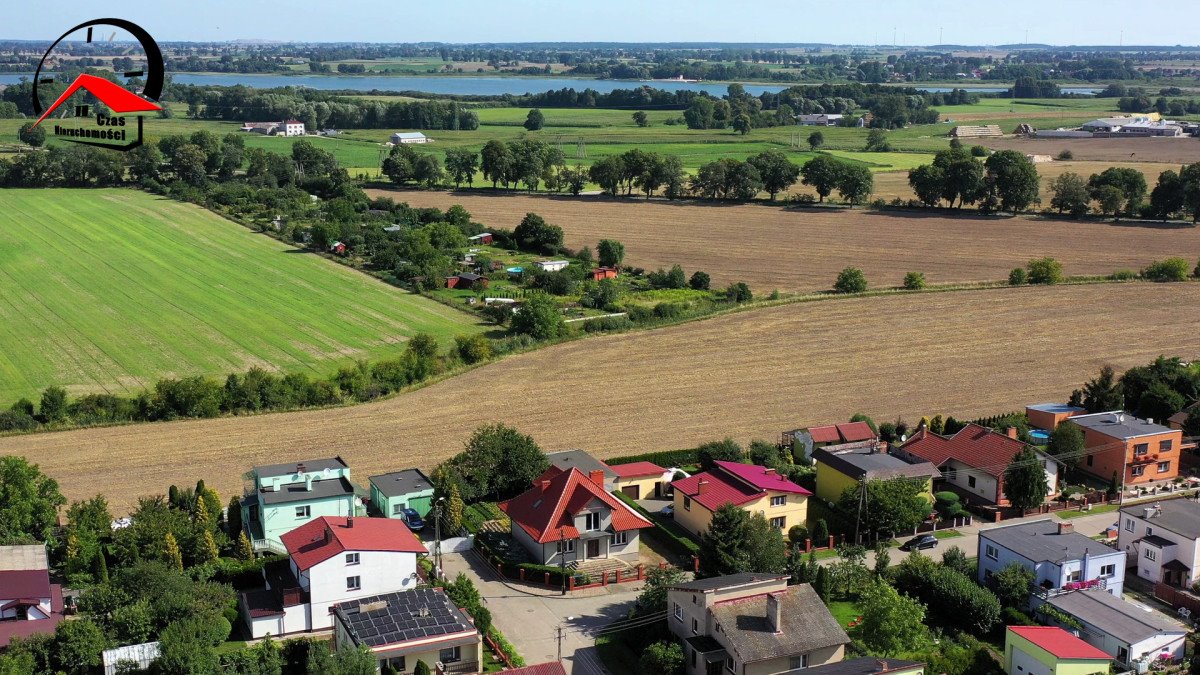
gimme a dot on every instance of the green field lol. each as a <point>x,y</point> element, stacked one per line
<point>107,290</point>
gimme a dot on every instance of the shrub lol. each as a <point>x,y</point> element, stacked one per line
<point>700,281</point>
<point>1123,275</point>
<point>952,597</point>
<point>1017,277</point>
<point>1065,155</point>
<point>850,280</point>
<point>738,292</point>
<point>1012,616</point>
<point>1171,269</point>
<point>1045,271</point>
<point>669,310</point>
<point>473,348</point>
<point>797,534</point>
<point>979,151</point>
<point>914,281</point>
<point>1196,272</point>
<point>663,458</point>
<point>820,533</point>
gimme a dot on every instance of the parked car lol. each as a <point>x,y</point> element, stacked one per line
<point>413,520</point>
<point>668,511</point>
<point>919,542</point>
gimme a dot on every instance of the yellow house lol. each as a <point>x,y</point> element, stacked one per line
<point>755,489</point>
<point>845,468</point>
<point>638,480</point>
<point>1050,650</point>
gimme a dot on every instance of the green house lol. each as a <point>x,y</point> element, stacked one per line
<point>282,497</point>
<point>391,493</point>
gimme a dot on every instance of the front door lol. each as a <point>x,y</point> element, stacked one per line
<point>593,548</point>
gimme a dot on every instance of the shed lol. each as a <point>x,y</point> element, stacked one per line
<point>604,273</point>
<point>483,238</point>
<point>466,280</point>
<point>409,137</point>
<point>140,655</point>
<point>391,493</point>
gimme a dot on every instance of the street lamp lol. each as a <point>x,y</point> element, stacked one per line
<point>437,535</point>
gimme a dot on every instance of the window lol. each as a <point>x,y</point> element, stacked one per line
<point>451,655</point>
<point>678,612</point>
<point>1074,576</point>
<point>780,522</point>
<point>779,501</point>
<point>798,662</point>
<point>687,503</point>
<point>1164,446</point>
<point>1108,570</point>
<point>351,558</point>
<point>620,539</point>
<point>397,509</point>
<point>991,552</point>
<point>971,481</point>
<point>1164,467</point>
<point>591,521</point>
<point>729,664</point>
<point>1138,470</point>
<point>695,626</point>
<point>1151,554</point>
<point>353,583</point>
<point>567,546</point>
<point>396,663</point>
<point>1089,460</point>
<point>1141,449</point>
<point>1129,525</point>
<point>1149,530</point>
<point>303,511</point>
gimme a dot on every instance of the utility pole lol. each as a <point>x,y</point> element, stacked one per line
<point>862,502</point>
<point>437,535</point>
<point>559,637</point>
<point>562,563</point>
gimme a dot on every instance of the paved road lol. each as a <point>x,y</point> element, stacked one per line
<point>969,542</point>
<point>528,616</point>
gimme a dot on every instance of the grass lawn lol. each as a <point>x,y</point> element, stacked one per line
<point>109,290</point>
<point>1097,508</point>
<point>844,611</point>
<point>947,534</point>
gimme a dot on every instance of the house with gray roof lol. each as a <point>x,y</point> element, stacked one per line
<point>403,628</point>
<point>391,493</point>
<point>1162,541</point>
<point>578,459</point>
<point>1056,554</point>
<point>752,623</point>
<point>282,497</point>
<point>1127,631</point>
<point>838,469</point>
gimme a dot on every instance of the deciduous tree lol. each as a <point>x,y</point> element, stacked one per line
<point>1025,480</point>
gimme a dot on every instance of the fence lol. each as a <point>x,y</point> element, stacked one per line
<point>1178,598</point>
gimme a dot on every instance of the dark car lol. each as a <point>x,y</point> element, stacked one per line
<point>413,520</point>
<point>919,542</point>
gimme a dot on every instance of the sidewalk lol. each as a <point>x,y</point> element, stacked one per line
<point>529,615</point>
<point>1087,525</point>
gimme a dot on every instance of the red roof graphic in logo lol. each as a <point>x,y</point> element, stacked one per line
<point>120,100</point>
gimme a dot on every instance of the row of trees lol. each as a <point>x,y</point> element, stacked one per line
<point>1123,191</point>
<point>1007,180</point>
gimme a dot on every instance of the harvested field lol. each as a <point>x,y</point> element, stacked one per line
<point>1170,150</point>
<point>744,375</point>
<point>770,247</point>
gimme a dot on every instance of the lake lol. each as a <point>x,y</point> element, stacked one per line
<point>484,86</point>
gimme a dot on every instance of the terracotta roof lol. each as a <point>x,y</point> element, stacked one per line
<point>855,431</point>
<point>1058,642</point>
<point>976,446</point>
<point>637,469</point>
<point>547,510</point>
<point>761,477</point>
<point>551,668</point>
<point>734,483</point>
<point>825,434</point>
<point>309,544</point>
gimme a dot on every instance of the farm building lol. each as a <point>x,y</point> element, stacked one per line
<point>337,247</point>
<point>466,280</point>
<point>409,138</point>
<point>481,239</point>
<point>290,128</point>
<point>1115,124</point>
<point>802,441</point>
<point>603,273</point>
<point>264,128</point>
<point>819,120</point>
<point>1152,128</point>
<point>552,265</point>
<point>984,131</point>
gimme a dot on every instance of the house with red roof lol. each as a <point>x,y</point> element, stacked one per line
<point>756,489</point>
<point>569,517</point>
<point>639,480</point>
<point>973,460</point>
<point>803,441</point>
<point>331,560</point>
<point>29,603</point>
<point>1050,650</point>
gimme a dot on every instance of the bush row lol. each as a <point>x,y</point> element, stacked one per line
<point>663,458</point>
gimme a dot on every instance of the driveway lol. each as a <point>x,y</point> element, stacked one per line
<point>529,615</point>
<point>1087,525</point>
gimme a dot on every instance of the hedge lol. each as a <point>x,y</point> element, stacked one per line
<point>555,572</point>
<point>681,543</point>
<point>665,458</point>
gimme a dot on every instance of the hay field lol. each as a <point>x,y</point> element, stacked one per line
<point>109,290</point>
<point>770,247</point>
<point>745,375</point>
<point>1173,151</point>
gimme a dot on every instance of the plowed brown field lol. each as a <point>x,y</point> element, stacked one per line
<point>746,375</point>
<point>1170,150</point>
<point>770,247</point>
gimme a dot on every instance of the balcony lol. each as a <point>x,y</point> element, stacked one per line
<point>1069,587</point>
<point>458,667</point>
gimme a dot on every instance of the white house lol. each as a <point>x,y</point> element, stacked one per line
<point>409,137</point>
<point>1126,631</point>
<point>1054,552</point>
<point>290,128</point>
<point>552,265</point>
<point>331,560</point>
<point>1163,541</point>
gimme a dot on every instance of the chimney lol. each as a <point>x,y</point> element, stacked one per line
<point>701,486</point>
<point>774,612</point>
<point>308,484</point>
<point>1147,512</point>
<point>299,468</point>
<point>769,472</point>
<point>1011,431</point>
<point>349,521</point>
<point>881,666</point>
<point>545,485</point>
<point>597,477</point>
<point>328,534</point>
<point>1065,528</point>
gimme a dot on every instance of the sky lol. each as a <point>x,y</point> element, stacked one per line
<point>865,22</point>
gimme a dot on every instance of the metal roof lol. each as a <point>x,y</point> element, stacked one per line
<point>870,464</point>
<point>310,466</point>
<point>403,482</point>
<point>297,492</point>
<point>581,460</point>
<point>1181,516</point>
<point>1040,541</point>
<point>1123,620</point>
<point>1119,424</point>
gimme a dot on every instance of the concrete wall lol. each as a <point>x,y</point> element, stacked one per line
<point>831,483</point>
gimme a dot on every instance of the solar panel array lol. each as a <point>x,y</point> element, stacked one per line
<point>408,615</point>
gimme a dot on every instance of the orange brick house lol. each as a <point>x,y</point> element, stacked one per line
<point>1138,451</point>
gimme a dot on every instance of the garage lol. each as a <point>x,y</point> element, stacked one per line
<point>632,491</point>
